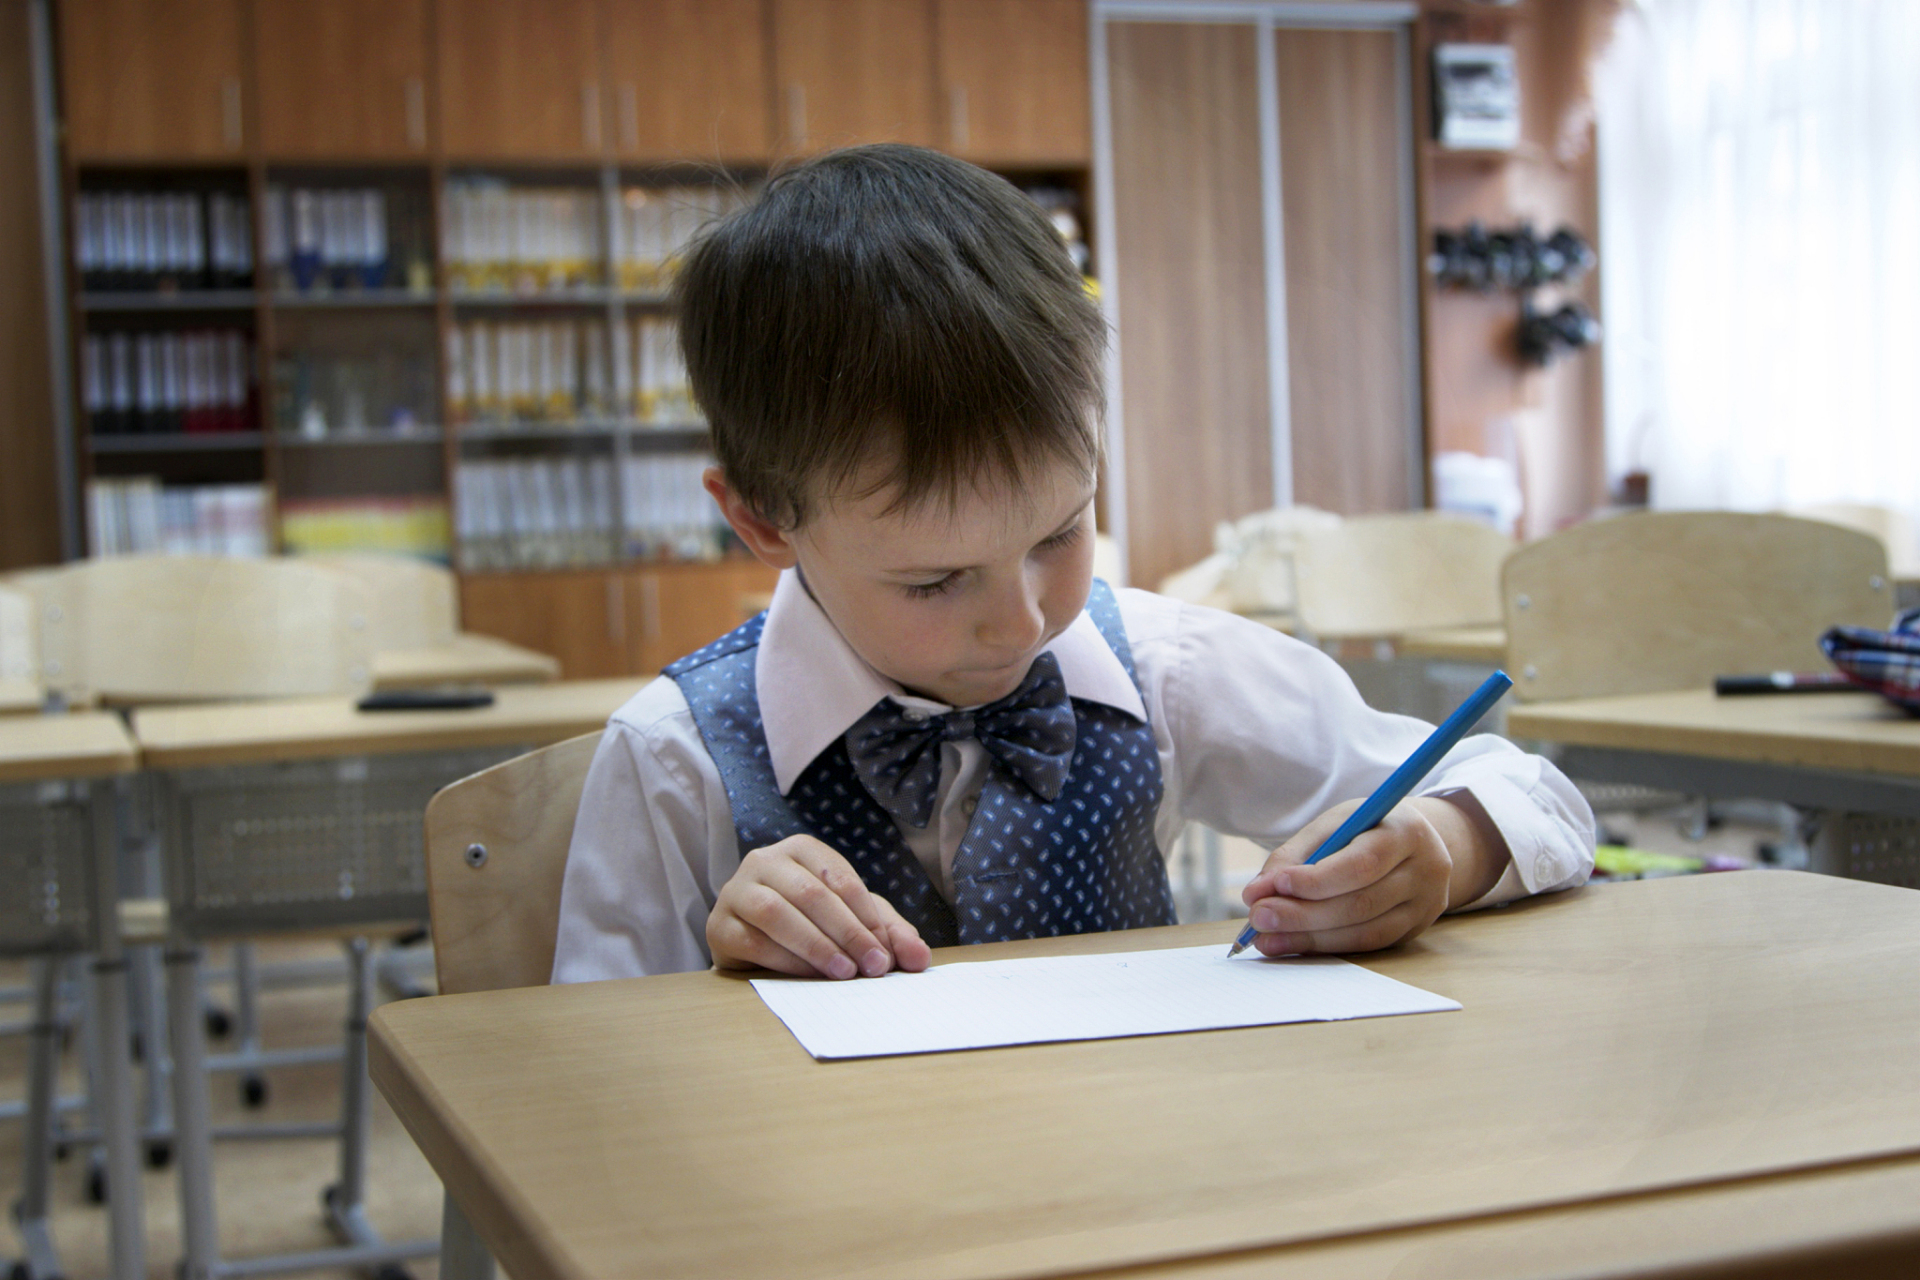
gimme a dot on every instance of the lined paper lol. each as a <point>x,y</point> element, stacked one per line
<point>1035,1001</point>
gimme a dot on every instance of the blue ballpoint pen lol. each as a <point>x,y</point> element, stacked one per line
<point>1402,780</point>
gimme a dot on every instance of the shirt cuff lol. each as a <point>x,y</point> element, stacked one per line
<point>1544,853</point>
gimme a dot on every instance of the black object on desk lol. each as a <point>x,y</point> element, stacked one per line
<point>426,700</point>
<point>1784,682</point>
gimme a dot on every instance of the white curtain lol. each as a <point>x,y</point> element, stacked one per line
<point>1760,242</point>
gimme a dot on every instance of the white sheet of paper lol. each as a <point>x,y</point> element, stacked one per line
<point>1134,993</point>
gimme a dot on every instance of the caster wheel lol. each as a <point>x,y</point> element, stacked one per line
<point>159,1155</point>
<point>96,1186</point>
<point>328,1195</point>
<point>18,1271</point>
<point>392,1271</point>
<point>253,1091</point>
<point>60,1150</point>
<point>137,1048</point>
<point>219,1023</point>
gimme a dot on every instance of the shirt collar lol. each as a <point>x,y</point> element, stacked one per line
<point>812,685</point>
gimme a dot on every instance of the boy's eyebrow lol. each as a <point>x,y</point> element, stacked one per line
<point>1063,526</point>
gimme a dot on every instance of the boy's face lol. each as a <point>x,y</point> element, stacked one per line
<point>954,606</point>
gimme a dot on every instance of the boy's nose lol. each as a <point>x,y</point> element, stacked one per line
<point>1017,622</point>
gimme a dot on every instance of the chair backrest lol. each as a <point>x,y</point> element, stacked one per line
<point>1668,600</point>
<point>416,604</point>
<point>19,646</point>
<point>495,914</point>
<point>1894,528</point>
<point>183,628</point>
<point>1382,575</point>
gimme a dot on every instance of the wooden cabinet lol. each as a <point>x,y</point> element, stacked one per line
<point>342,78</point>
<point>687,80</point>
<point>613,622</point>
<point>152,79</point>
<point>521,79</point>
<point>851,71</point>
<point>1013,82</point>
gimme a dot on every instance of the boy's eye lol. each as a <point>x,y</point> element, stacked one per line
<point>1065,538</point>
<point>927,590</point>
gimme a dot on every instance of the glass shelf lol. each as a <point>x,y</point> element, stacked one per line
<point>177,300</point>
<point>171,442</point>
<point>346,298</point>
<point>416,435</point>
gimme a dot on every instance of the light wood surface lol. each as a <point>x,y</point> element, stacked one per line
<point>1486,645</point>
<point>343,79</point>
<point>85,744</point>
<point>19,639</point>
<point>160,628</point>
<point>413,604</point>
<point>1893,527</point>
<point>18,697</point>
<point>852,71</point>
<point>465,659</point>
<point>1669,600</point>
<point>1620,1046</point>
<point>313,728</point>
<point>521,79</point>
<point>1013,80</point>
<point>494,924</point>
<point>1190,292</point>
<point>688,80</point>
<point>1855,732</point>
<point>1381,575</point>
<point>1350,347</point>
<point>152,79</point>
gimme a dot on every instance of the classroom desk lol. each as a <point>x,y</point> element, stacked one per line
<point>1481,646</point>
<point>20,697</point>
<point>466,659</point>
<point>58,847</point>
<point>1697,1070</point>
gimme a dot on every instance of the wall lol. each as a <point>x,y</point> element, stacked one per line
<point>29,508</point>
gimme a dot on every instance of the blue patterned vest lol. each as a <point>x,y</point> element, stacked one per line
<point>1027,868</point>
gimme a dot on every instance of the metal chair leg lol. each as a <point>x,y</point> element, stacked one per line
<point>462,1256</point>
<point>43,1066</point>
<point>192,1136</point>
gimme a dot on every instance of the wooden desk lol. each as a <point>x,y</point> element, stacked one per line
<point>1645,1075</point>
<point>466,659</point>
<point>20,697</point>
<point>319,728</point>
<point>1482,646</point>
<point>84,744</point>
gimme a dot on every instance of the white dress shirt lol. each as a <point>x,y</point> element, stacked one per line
<point>1257,735</point>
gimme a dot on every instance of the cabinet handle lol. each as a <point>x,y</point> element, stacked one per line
<point>957,123</point>
<point>416,113</point>
<point>629,103</point>
<point>797,114</point>
<point>616,609</point>
<point>590,115</point>
<point>230,112</point>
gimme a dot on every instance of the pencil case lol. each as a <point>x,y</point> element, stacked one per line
<point>1887,662</point>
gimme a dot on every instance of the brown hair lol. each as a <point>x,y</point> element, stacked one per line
<point>889,303</point>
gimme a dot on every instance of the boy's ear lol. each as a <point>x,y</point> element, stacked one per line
<point>770,544</point>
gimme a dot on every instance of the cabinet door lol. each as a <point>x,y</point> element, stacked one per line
<point>676,608</point>
<point>520,79</point>
<point>688,80</point>
<point>1013,80</point>
<point>341,78</point>
<point>851,71</point>
<point>578,617</point>
<point>152,79</point>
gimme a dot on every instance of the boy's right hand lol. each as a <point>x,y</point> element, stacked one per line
<point>798,907</point>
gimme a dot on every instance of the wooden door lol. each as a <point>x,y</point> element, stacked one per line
<point>676,608</point>
<point>342,78</point>
<point>152,79</point>
<point>853,71</point>
<point>1190,287</point>
<point>1352,355</point>
<point>1013,81</point>
<point>688,80</point>
<point>578,616</point>
<point>520,79</point>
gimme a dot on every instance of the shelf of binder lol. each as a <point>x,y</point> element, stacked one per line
<point>691,431</point>
<point>407,436</point>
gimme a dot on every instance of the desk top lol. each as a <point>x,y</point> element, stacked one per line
<point>311,728</point>
<point>1486,645</point>
<point>1853,732</point>
<point>1619,1045</point>
<point>466,659</point>
<point>83,744</point>
<point>19,697</point>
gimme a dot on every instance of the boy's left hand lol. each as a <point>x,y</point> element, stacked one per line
<point>1384,888</point>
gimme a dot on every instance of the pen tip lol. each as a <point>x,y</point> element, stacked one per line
<point>1235,950</point>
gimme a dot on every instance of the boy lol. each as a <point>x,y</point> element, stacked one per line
<point>943,730</point>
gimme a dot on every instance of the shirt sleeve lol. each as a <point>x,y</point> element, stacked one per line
<point>1260,733</point>
<point>652,843</point>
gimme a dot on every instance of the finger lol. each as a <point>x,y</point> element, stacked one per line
<point>781,907</point>
<point>1371,857</point>
<point>1296,850</point>
<point>910,951</point>
<point>1308,915</point>
<point>1398,925</point>
<point>837,874</point>
<point>736,944</point>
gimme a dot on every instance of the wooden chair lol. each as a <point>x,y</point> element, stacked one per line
<point>19,653</point>
<point>1668,600</point>
<point>1895,529</point>
<point>415,604</point>
<point>186,628</point>
<point>1384,575</point>
<point>496,852</point>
